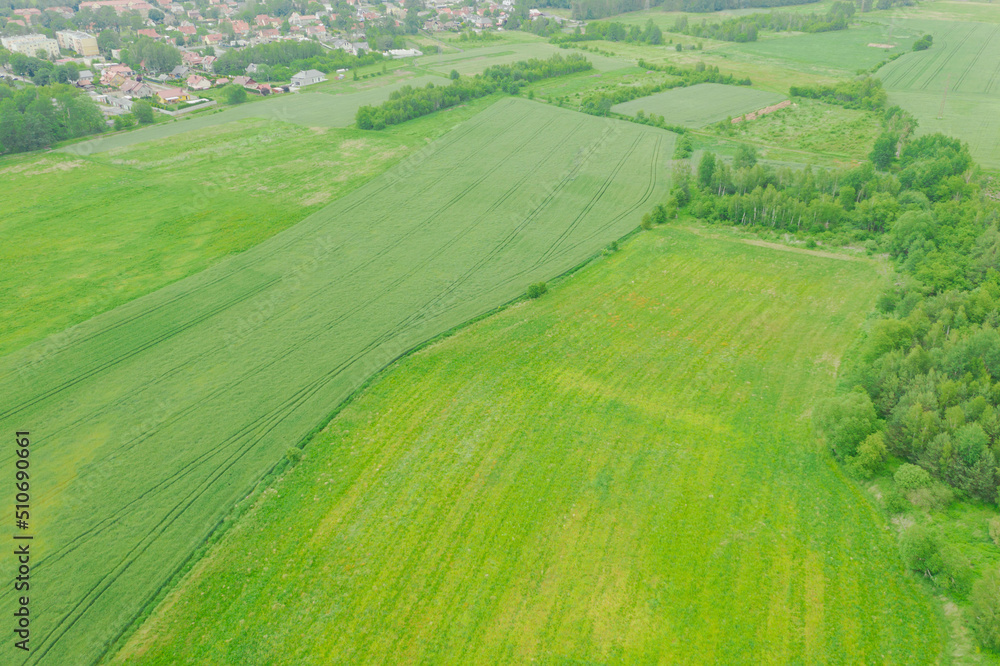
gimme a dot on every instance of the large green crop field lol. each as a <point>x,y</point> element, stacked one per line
<point>697,106</point>
<point>965,58</point>
<point>841,52</point>
<point>153,419</point>
<point>133,219</point>
<point>623,471</point>
<point>953,87</point>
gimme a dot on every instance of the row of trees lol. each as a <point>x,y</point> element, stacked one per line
<point>293,56</point>
<point>599,103</point>
<point>617,32</point>
<point>745,28</point>
<point>37,116</point>
<point>860,93</point>
<point>409,102</point>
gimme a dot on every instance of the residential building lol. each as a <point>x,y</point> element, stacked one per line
<point>195,82</point>
<point>73,40</point>
<point>120,6</point>
<point>172,96</point>
<point>109,73</point>
<point>403,53</point>
<point>30,45</point>
<point>308,77</point>
<point>134,88</point>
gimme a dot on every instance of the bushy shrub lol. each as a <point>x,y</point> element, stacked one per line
<point>911,477</point>
<point>846,420</point>
<point>537,289</point>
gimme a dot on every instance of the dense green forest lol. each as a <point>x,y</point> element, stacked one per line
<point>38,116</point>
<point>409,102</point>
<point>745,28</point>
<point>918,403</point>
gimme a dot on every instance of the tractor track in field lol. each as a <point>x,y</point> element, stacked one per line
<point>188,487</point>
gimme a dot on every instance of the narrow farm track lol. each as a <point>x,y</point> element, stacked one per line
<point>623,471</point>
<point>158,416</point>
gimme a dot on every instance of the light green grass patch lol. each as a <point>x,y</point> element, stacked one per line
<point>155,418</point>
<point>814,127</point>
<point>700,105</point>
<point>309,109</point>
<point>841,52</point>
<point>623,471</point>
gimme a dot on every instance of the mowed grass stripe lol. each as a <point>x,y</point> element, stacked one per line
<point>623,470</point>
<point>164,412</point>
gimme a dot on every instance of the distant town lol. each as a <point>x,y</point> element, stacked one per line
<point>170,53</point>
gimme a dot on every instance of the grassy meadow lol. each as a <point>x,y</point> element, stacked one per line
<point>622,471</point>
<point>700,105</point>
<point>817,132</point>
<point>155,418</point>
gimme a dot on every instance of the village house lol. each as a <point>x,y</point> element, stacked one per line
<point>134,88</point>
<point>308,78</point>
<point>172,96</point>
<point>111,71</point>
<point>196,82</point>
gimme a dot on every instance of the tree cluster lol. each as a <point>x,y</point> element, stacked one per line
<point>41,72</point>
<point>36,117</point>
<point>287,58</point>
<point>860,93</point>
<point>616,32</point>
<point>409,102</point>
<point>151,55</point>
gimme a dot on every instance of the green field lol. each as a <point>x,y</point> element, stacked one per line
<point>841,52</point>
<point>153,419</point>
<point>621,472</point>
<point>965,58</point>
<point>953,87</point>
<point>309,109</point>
<point>179,204</point>
<point>700,105</point>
